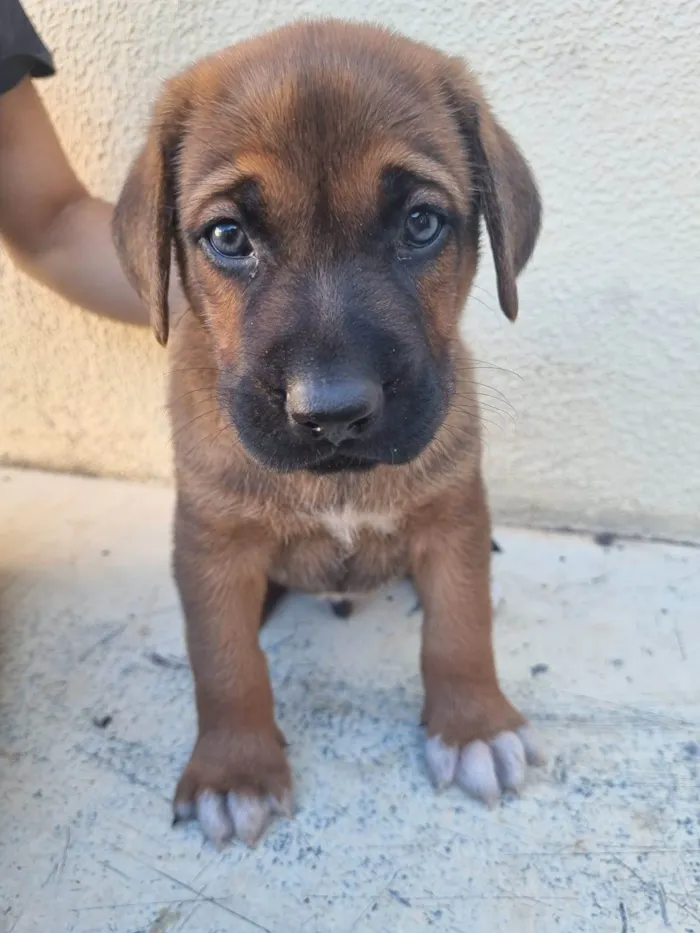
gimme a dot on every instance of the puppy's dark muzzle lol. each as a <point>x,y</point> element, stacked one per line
<point>334,410</point>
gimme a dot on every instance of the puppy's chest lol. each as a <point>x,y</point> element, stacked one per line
<point>346,525</point>
<point>343,550</point>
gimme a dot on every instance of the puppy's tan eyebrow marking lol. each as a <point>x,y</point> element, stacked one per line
<point>220,183</point>
<point>433,173</point>
<point>221,186</point>
<point>398,155</point>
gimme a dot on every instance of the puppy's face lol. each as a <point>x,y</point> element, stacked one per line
<point>323,186</point>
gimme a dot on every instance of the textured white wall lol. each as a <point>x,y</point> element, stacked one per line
<point>604,97</point>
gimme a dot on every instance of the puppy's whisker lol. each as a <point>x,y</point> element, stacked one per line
<point>481,390</point>
<point>181,317</point>
<point>212,439</point>
<point>192,369</point>
<point>475,414</point>
<point>462,431</point>
<point>184,427</point>
<point>209,389</point>
<point>478,400</point>
<point>478,405</point>
<point>484,364</point>
<point>485,291</point>
<point>198,444</point>
<point>480,386</point>
<point>489,307</point>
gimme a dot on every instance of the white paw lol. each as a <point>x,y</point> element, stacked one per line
<point>223,816</point>
<point>485,770</point>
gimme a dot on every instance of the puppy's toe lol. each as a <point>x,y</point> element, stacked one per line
<point>441,760</point>
<point>534,753</point>
<point>214,818</point>
<point>509,761</point>
<point>250,816</point>
<point>476,773</point>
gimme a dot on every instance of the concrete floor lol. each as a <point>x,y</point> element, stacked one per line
<point>599,645</point>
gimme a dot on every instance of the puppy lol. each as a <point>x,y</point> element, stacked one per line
<point>321,189</point>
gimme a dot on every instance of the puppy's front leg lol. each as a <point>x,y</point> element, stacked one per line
<point>238,775</point>
<point>474,735</point>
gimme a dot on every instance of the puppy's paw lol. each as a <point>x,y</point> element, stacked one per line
<point>486,756</point>
<point>234,785</point>
<point>485,770</point>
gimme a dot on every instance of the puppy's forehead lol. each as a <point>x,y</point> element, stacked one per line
<point>311,108</point>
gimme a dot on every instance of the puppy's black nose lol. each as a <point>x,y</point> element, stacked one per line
<point>333,409</point>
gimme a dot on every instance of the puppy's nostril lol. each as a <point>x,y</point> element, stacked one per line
<point>315,429</point>
<point>357,427</point>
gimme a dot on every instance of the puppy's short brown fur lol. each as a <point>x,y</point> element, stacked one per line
<point>321,188</point>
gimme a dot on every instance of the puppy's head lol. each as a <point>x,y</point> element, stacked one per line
<point>322,188</point>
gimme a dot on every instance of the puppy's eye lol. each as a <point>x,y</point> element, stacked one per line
<point>228,239</point>
<point>422,227</point>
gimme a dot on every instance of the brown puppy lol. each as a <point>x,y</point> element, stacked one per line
<point>322,187</point>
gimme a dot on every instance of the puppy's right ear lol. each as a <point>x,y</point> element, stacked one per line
<point>143,223</point>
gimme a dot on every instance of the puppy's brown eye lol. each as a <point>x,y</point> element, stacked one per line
<point>423,226</point>
<point>228,240</point>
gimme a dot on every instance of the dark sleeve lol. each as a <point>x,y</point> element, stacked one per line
<point>21,50</point>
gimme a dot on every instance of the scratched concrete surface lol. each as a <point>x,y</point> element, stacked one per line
<point>599,645</point>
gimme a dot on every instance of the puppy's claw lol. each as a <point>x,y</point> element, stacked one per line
<point>441,760</point>
<point>283,806</point>
<point>534,755</point>
<point>183,811</point>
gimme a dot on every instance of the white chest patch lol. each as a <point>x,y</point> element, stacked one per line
<point>345,525</point>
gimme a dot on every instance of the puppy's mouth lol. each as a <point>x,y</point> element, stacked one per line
<point>342,463</point>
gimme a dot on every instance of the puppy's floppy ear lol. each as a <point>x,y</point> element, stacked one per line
<point>506,192</point>
<point>143,224</point>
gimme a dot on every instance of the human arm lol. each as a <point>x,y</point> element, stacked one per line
<point>50,224</point>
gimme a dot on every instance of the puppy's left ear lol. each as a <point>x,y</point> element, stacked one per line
<point>505,188</point>
<point>144,219</point>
